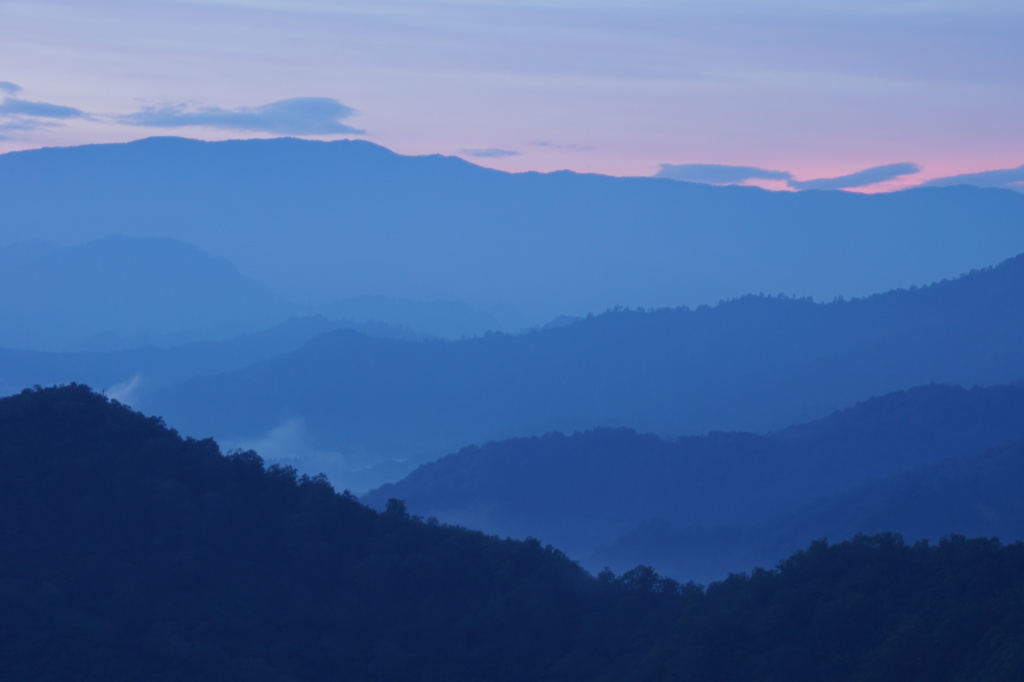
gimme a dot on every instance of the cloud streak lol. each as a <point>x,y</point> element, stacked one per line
<point>19,107</point>
<point>22,116</point>
<point>718,174</point>
<point>864,178</point>
<point>552,145</point>
<point>1007,178</point>
<point>297,116</point>
<point>18,125</point>
<point>490,153</point>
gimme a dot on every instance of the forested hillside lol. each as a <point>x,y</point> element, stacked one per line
<point>130,553</point>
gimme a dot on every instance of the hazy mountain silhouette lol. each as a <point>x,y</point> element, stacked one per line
<point>320,221</point>
<point>54,296</point>
<point>590,488</point>
<point>442,319</point>
<point>974,495</point>
<point>130,553</point>
<point>753,364</point>
<point>132,373</point>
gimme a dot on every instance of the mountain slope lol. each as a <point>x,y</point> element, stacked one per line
<point>131,554</point>
<point>752,364</point>
<point>590,488</point>
<point>320,221</point>
<point>131,373</point>
<point>52,297</point>
<point>973,495</point>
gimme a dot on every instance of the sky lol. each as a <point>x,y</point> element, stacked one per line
<point>867,95</point>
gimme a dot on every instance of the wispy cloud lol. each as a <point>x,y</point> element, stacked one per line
<point>1008,178</point>
<point>22,116</point>
<point>18,125</point>
<point>864,178</point>
<point>490,153</point>
<point>18,107</point>
<point>718,174</point>
<point>297,116</point>
<point>552,145</point>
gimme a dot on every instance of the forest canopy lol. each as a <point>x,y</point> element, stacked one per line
<point>130,552</point>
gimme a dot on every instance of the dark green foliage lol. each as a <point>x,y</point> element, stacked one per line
<point>130,553</point>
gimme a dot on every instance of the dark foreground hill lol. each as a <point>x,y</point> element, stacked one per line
<point>753,364</point>
<point>697,507</point>
<point>131,554</point>
<point>318,221</point>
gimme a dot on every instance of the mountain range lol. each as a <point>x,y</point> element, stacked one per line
<point>565,396</point>
<point>752,364</point>
<point>974,495</point>
<point>699,507</point>
<point>324,221</point>
<point>136,371</point>
<point>125,291</point>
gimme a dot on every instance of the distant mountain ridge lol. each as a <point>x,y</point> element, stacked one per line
<point>971,495</point>
<point>149,368</point>
<point>700,507</point>
<point>441,319</point>
<point>53,297</point>
<point>322,221</point>
<point>752,364</point>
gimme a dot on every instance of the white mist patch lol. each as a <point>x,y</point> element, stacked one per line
<point>290,444</point>
<point>289,441</point>
<point>125,392</point>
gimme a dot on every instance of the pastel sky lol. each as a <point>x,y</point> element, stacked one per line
<point>860,94</point>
